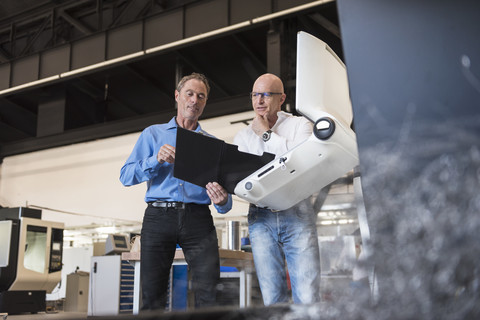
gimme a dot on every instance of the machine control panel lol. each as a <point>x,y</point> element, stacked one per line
<point>56,250</point>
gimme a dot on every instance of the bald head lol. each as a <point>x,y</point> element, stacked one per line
<point>270,81</point>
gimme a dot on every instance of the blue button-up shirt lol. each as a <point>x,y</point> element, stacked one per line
<point>142,165</point>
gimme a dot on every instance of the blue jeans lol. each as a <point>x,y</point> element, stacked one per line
<point>289,235</point>
<point>193,229</point>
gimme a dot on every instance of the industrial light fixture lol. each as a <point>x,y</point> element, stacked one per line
<point>198,37</point>
<point>102,64</point>
<point>30,84</point>
<point>73,72</point>
<point>288,11</point>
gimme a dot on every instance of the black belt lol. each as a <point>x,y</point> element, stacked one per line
<point>168,204</point>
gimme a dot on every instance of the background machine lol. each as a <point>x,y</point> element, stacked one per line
<point>111,280</point>
<point>30,259</point>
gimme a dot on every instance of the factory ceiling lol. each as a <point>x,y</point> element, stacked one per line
<point>78,70</point>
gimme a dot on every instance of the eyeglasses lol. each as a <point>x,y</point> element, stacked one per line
<point>263,95</point>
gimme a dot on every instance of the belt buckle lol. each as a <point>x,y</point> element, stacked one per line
<point>166,204</point>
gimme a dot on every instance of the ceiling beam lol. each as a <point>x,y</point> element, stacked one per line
<point>195,66</point>
<point>93,132</point>
<point>18,117</point>
<point>122,13</point>
<point>119,127</point>
<point>149,81</point>
<point>250,53</point>
<point>38,32</point>
<point>327,24</point>
<point>9,133</point>
<point>74,22</point>
<point>97,94</point>
<point>4,57</point>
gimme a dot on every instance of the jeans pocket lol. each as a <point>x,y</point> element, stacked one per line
<point>252,217</point>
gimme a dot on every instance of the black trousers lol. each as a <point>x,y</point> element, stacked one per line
<point>193,229</point>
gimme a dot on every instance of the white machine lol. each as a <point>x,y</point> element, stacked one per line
<point>323,97</point>
<point>111,286</point>
<point>30,259</point>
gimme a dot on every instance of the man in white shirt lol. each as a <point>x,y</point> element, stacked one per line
<point>288,235</point>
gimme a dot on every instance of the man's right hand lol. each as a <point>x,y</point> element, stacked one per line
<point>260,124</point>
<point>166,154</point>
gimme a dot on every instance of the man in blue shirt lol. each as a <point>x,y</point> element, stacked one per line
<point>178,211</point>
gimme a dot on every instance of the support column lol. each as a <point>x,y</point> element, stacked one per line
<point>274,51</point>
<point>51,116</point>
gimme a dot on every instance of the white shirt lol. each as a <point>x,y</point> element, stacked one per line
<point>288,132</point>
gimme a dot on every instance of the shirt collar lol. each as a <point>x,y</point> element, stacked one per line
<point>172,124</point>
<point>282,115</point>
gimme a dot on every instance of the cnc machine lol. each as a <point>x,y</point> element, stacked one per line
<point>30,259</point>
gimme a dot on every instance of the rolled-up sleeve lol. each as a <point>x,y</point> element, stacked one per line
<point>142,163</point>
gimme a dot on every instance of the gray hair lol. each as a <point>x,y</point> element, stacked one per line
<point>196,76</point>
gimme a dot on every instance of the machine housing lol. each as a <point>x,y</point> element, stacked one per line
<point>30,259</point>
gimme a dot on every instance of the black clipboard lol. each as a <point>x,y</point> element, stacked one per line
<point>200,159</point>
